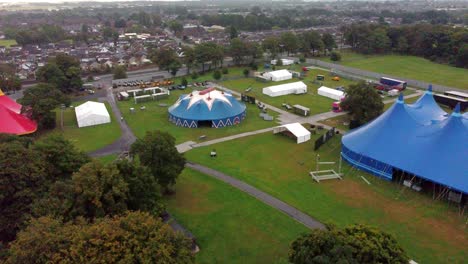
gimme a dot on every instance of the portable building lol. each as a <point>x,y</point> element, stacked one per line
<point>331,93</point>
<point>284,89</point>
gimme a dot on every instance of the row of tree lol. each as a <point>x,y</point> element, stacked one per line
<point>36,35</point>
<point>439,43</point>
<point>69,208</point>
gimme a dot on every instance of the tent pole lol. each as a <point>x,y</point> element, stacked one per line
<point>339,164</point>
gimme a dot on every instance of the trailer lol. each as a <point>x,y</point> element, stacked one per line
<point>451,101</point>
<point>395,84</point>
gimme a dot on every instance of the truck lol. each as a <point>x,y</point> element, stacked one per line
<point>336,107</point>
<point>393,83</point>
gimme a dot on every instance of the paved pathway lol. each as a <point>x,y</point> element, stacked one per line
<point>262,196</point>
<point>127,138</point>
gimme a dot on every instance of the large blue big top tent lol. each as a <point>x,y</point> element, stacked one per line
<point>418,139</point>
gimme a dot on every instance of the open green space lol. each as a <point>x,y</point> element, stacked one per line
<point>229,225</point>
<point>411,67</point>
<point>87,138</point>
<point>429,230</point>
<point>316,103</point>
<point>156,117</point>
<point>7,42</point>
<point>107,159</point>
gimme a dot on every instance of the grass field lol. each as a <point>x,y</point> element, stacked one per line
<point>156,117</point>
<point>229,225</point>
<point>7,42</point>
<point>316,103</point>
<point>107,159</point>
<point>411,67</point>
<point>87,138</point>
<point>428,230</point>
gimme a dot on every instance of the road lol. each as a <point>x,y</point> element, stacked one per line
<point>262,196</point>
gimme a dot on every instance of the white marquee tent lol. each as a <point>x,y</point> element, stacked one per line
<point>277,76</point>
<point>300,132</point>
<point>91,114</point>
<point>284,61</point>
<point>284,89</point>
<point>331,93</point>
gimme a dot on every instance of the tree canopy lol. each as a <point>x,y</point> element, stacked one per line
<point>120,72</point>
<point>134,237</point>
<point>356,244</point>
<point>63,72</point>
<point>363,102</point>
<point>157,151</point>
<point>8,79</point>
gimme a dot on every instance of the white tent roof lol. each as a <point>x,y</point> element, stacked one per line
<point>300,132</point>
<point>280,74</point>
<point>330,93</point>
<point>91,113</point>
<point>287,88</point>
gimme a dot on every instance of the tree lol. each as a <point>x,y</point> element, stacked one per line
<point>238,49</point>
<point>120,23</point>
<point>174,67</point>
<point>335,56</point>
<point>157,151</point>
<point>209,52</point>
<point>8,80</point>
<point>144,193</point>
<point>134,237</point>
<point>184,82</point>
<point>189,58</point>
<point>217,75</point>
<point>176,26</point>
<point>94,191</point>
<point>53,75</point>
<point>63,72</point>
<point>312,41</point>
<point>225,71</point>
<point>166,58</point>
<point>363,102</point>
<point>39,102</point>
<point>232,31</point>
<point>461,59</point>
<point>120,72</point>
<point>289,41</point>
<point>328,42</point>
<point>19,185</point>
<point>353,244</point>
<point>271,45</point>
<point>61,156</point>
<point>246,72</point>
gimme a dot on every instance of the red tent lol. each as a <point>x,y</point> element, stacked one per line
<point>9,103</point>
<point>13,123</point>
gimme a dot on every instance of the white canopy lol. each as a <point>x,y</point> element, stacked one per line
<point>279,75</point>
<point>300,132</point>
<point>284,89</point>
<point>91,114</point>
<point>284,61</point>
<point>331,93</point>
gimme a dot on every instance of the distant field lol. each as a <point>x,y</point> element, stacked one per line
<point>411,67</point>
<point>7,42</point>
<point>229,225</point>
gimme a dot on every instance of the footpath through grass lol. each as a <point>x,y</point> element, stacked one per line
<point>229,225</point>
<point>429,231</point>
<point>87,138</point>
<point>411,67</point>
<point>156,117</point>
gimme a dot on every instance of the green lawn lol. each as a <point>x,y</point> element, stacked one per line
<point>229,225</point>
<point>429,231</point>
<point>7,42</point>
<point>411,67</point>
<point>316,103</point>
<point>156,117</point>
<point>87,138</point>
<point>107,159</point>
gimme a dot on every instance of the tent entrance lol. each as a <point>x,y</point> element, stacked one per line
<point>205,123</point>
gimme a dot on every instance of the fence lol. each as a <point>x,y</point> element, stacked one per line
<point>375,75</point>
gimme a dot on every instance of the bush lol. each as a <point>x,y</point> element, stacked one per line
<point>184,82</point>
<point>302,59</point>
<point>335,56</point>
<point>194,76</point>
<point>225,71</point>
<point>246,72</point>
<point>254,66</point>
<point>279,62</point>
<point>217,75</point>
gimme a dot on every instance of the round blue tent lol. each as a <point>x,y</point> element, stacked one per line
<point>209,107</point>
<point>417,139</point>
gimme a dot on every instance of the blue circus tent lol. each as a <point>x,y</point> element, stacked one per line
<point>210,107</point>
<point>417,139</point>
